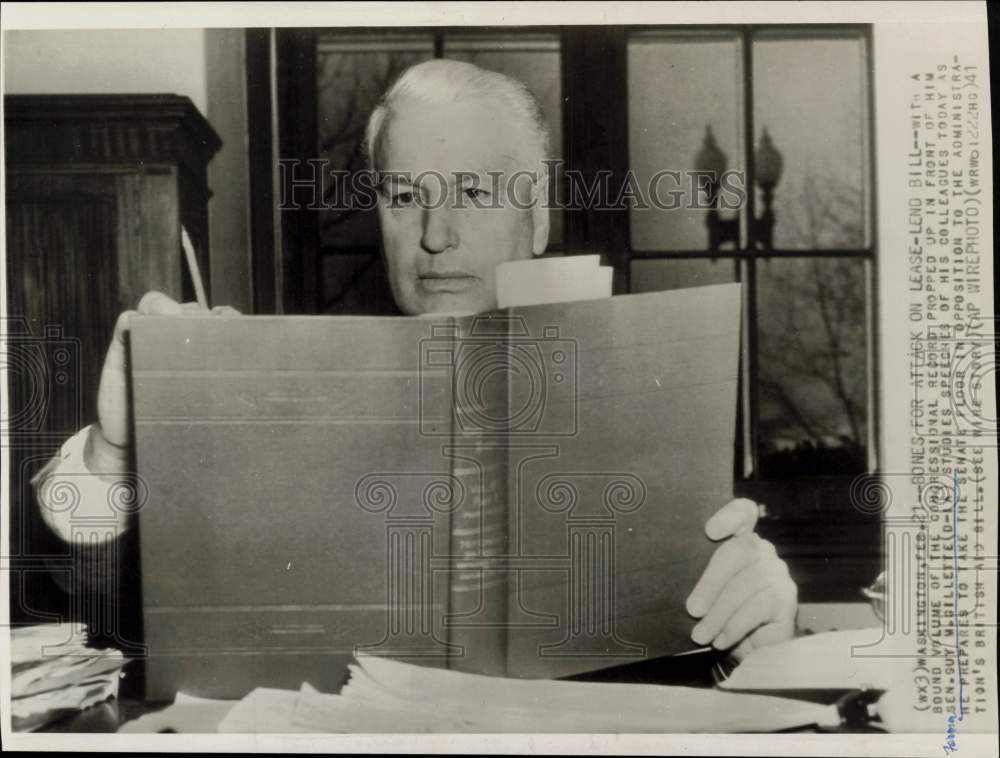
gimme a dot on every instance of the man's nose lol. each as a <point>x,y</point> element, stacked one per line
<point>439,230</point>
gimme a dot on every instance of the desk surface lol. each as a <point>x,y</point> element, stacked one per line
<point>692,671</point>
<point>110,716</point>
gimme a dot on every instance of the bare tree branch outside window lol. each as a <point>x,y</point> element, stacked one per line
<point>812,343</point>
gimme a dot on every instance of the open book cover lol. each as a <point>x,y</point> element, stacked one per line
<point>519,493</point>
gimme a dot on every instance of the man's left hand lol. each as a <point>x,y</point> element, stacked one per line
<point>745,598</point>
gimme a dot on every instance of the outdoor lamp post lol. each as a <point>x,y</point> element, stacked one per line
<point>767,163</point>
<point>712,163</point>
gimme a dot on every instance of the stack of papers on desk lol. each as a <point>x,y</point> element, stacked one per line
<point>53,672</point>
<point>387,696</point>
<point>847,659</point>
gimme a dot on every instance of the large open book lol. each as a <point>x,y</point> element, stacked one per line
<point>518,493</point>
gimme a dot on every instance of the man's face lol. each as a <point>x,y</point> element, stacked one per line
<point>445,221</point>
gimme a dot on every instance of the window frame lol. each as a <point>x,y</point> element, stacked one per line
<point>746,255</point>
<point>293,248</point>
<point>810,519</point>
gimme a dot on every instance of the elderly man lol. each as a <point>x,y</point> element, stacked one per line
<point>439,140</point>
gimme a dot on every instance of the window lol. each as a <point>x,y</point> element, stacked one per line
<point>352,71</point>
<point>795,102</point>
<point>784,111</point>
<point>788,109</point>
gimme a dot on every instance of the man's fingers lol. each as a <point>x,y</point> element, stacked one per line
<point>770,634</point>
<point>219,310</point>
<point>151,304</point>
<point>729,559</point>
<point>772,606</point>
<point>158,304</point>
<point>744,585</point>
<point>756,610</point>
<point>121,326</point>
<point>735,517</point>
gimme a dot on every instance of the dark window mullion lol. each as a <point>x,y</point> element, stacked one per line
<point>596,134</point>
<point>295,53</point>
<point>873,395</point>
<point>265,263</point>
<point>751,243</point>
<point>745,253</point>
<point>742,465</point>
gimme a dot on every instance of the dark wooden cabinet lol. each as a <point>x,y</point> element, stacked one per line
<point>98,187</point>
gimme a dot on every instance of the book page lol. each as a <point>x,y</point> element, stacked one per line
<point>616,476</point>
<point>316,495</point>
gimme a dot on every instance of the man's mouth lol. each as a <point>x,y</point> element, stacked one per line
<point>446,281</point>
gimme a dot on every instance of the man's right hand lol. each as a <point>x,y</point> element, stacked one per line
<point>106,451</point>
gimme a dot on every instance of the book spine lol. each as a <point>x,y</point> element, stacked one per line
<point>477,613</point>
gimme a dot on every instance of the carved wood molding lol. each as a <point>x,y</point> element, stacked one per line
<point>131,129</point>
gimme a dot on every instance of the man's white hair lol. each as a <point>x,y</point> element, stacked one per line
<point>441,81</point>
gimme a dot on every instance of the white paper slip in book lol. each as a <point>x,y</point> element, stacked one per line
<point>552,280</point>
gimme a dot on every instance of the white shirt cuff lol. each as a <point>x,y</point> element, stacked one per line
<point>78,505</point>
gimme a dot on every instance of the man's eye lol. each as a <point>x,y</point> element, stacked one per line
<point>475,193</point>
<point>402,198</point>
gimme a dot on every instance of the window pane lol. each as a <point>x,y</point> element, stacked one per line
<point>534,60</point>
<point>356,284</point>
<point>811,97</point>
<point>352,73</point>
<point>812,366</point>
<point>679,84</point>
<point>654,275</point>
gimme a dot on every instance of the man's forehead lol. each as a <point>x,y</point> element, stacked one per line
<point>475,136</point>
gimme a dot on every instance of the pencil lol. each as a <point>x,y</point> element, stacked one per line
<point>192,262</point>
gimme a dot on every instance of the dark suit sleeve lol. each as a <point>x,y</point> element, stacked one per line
<point>84,510</point>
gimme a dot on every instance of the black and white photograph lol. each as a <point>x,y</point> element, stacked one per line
<point>499,378</point>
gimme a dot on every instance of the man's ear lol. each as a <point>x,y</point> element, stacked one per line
<point>540,215</point>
